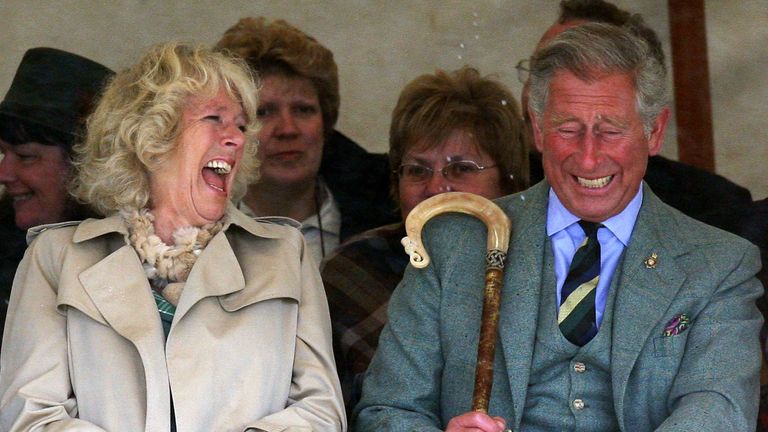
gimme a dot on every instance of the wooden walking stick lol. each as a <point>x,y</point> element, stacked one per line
<point>499,229</point>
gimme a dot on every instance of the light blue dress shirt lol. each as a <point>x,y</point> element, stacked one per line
<point>566,236</point>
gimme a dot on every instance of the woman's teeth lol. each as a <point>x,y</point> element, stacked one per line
<point>594,183</point>
<point>219,166</point>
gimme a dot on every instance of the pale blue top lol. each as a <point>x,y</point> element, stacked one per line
<point>567,235</point>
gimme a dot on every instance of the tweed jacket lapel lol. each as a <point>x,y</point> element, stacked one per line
<point>644,292</point>
<point>522,284</point>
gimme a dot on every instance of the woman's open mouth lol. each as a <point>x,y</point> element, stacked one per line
<point>215,174</point>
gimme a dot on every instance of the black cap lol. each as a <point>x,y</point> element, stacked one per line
<point>54,89</point>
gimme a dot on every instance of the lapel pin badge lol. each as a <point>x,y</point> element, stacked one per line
<point>651,261</point>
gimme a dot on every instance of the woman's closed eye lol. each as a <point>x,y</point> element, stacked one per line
<point>27,157</point>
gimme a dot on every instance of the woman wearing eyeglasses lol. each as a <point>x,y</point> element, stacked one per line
<point>450,131</point>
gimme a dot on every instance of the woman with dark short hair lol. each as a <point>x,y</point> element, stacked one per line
<point>310,172</point>
<point>41,117</point>
<point>450,131</point>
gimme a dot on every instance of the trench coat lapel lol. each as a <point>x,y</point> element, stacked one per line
<point>120,291</point>
<point>521,295</point>
<point>643,294</point>
<point>216,273</point>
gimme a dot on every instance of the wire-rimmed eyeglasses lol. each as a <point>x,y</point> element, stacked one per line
<point>523,70</point>
<point>455,171</point>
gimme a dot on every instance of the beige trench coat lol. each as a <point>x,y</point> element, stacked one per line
<point>249,347</point>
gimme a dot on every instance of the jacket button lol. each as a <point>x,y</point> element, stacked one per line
<point>579,367</point>
<point>578,404</point>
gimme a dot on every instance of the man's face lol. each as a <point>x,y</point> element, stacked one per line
<point>594,150</point>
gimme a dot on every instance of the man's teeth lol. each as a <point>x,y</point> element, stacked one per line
<point>219,166</point>
<point>595,183</point>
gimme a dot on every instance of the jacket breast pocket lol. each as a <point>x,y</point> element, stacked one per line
<point>668,346</point>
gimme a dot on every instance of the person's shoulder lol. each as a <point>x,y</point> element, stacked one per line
<point>58,232</point>
<point>688,178</point>
<point>263,226</point>
<point>694,233</point>
<point>375,243</point>
<point>374,235</point>
<point>703,195</point>
<point>253,230</point>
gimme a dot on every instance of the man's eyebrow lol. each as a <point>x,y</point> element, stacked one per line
<point>558,118</point>
<point>613,121</point>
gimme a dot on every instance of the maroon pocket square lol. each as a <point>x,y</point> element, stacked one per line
<point>678,324</point>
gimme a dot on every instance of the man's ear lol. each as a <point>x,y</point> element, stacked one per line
<point>538,136</point>
<point>656,138</point>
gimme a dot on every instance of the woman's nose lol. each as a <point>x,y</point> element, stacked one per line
<point>286,124</point>
<point>234,136</point>
<point>437,184</point>
<point>7,169</point>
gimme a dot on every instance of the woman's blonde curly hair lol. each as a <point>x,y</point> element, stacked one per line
<point>137,123</point>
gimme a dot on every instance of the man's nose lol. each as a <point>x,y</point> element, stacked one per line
<point>589,151</point>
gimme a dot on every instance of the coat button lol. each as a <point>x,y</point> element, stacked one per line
<point>579,367</point>
<point>578,404</point>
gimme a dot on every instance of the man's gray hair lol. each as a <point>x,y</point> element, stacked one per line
<point>593,49</point>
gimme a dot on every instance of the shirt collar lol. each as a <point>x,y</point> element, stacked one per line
<point>620,225</point>
<point>329,212</point>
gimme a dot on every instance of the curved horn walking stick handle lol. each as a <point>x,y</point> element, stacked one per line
<point>499,229</point>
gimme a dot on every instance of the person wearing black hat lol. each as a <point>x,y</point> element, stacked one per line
<point>40,119</point>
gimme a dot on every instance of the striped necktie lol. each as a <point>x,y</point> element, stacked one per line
<point>576,318</point>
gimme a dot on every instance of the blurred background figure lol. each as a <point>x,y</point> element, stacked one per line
<point>216,322</point>
<point>310,172</point>
<point>702,195</point>
<point>450,131</point>
<point>40,118</point>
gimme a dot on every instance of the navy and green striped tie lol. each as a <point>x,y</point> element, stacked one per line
<point>577,317</point>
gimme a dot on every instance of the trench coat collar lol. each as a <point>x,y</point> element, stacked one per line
<point>92,228</point>
<point>217,272</point>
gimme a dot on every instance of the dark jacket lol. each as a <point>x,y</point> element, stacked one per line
<point>360,183</point>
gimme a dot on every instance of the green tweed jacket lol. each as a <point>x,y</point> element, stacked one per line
<point>703,378</point>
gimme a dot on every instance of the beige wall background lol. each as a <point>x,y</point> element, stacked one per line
<point>381,45</point>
